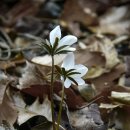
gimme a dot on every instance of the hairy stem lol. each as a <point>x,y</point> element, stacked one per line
<point>51,93</point>
<point>60,110</point>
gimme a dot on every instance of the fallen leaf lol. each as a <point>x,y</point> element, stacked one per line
<point>121,97</point>
<point>3,84</point>
<point>36,123</point>
<point>115,21</point>
<point>107,79</point>
<point>86,91</point>
<point>78,12</point>
<point>47,61</point>
<point>108,106</point>
<point>42,90</point>
<point>89,59</point>
<point>127,74</point>
<point>94,72</point>
<point>36,108</point>
<point>87,118</point>
<point>93,60</point>
<point>121,118</point>
<point>23,9</point>
<point>28,25</point>
<point>8,111</point>
<point>32,75</point>
<point>5,125</point>
<point>105,46</point>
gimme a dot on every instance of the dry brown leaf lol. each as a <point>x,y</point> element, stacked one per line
<point>121,118</point>
<point>95,71</point>
<point>36,108</point>
<point>116,21</point>
<point>86,118</point>
<point>93,60</point>
<point>102,44</point>
<point>79,13</point>
<point>32,75</point>
<point>5,125</point>
<point>127,75</point>
<point>100,56</point>
<point>16,61</point>
<point>43,90</point>
<point>23,9</point>
<point>110,53</point>
<point>107,80</point>
<point>89,59</point>
<point>8,111</point>
<point>3,84</point>
<point>121,97</point>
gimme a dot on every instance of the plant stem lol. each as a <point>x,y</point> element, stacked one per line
<point>60,110</point>
<point>51,93</point>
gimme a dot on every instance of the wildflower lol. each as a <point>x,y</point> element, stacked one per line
<point>71,73</point>
<point>58,45</point>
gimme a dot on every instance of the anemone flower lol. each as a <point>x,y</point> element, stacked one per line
<point>63,43</point>
<point>71,73</point>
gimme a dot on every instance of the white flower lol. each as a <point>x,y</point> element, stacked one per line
<point>72,72</point>
<point>66,41</point>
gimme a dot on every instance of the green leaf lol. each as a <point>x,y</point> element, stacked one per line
<point>63,52</point>
<point>55,44</point>
<point>72,73</point>
<point>60,48</point>
<point>73,80</point>
<point>63,72</point>
<point>71,70</point>
<point>58,69</point>
<point>48,48</point>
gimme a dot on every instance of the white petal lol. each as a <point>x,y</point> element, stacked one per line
<point>81,69</point>
<point>68,62</point>
<point>68,40</point>
<point>56,32</point>
<point>69,48</point>
<point>80,81</point>
<point>67,83</point>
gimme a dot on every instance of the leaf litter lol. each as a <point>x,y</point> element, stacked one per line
<point>103,29</point>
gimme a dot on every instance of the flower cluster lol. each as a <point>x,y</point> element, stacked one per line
<point>69,72</point>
